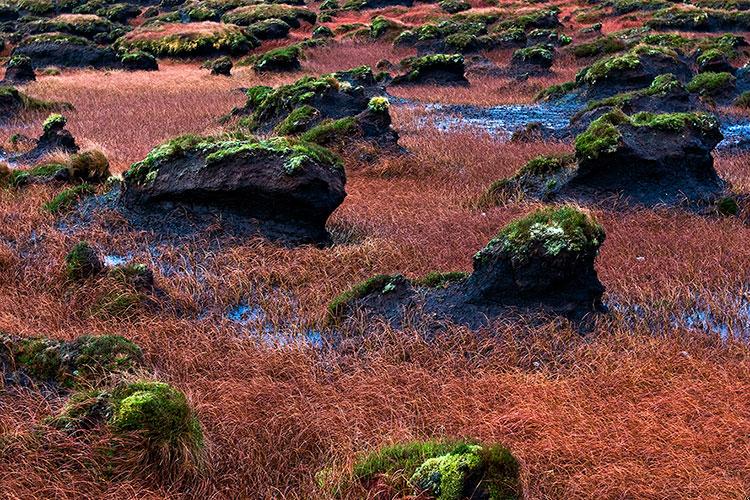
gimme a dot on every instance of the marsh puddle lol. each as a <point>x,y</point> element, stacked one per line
<point>731,322</point>
<point>253,319</point>
<point>502,120</point>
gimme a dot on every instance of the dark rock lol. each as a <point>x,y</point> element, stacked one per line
<point>643,160</point>
<point>83,262</point>
<point>139,60</point>
<point>55,138</point>
<point>269,29</point>
<point>715,62</point>
<point>289,186</point>
<point>221,66</point>
<point>630,71</point>
<point>543,263</point>
<point>19,70</point>
<point>66,51</point>
<point>438,69</point>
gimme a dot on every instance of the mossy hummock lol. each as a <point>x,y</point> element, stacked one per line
<point>443,470</point>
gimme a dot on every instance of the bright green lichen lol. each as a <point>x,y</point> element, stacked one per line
<point>600,137</point>
<point>555,230</point>
<point>534,53</point>
<point>54,122</point>
<point>297,121</point>
<point>711,84</point>
<point>444,470</point>
<point>675,122</point>
<point>158,412</point>
<point>280,58</point>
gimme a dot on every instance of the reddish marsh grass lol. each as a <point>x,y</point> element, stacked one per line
<point>638,409</point>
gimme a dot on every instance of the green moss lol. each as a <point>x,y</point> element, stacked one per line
<point>297,121</point>
<point>381,283</point>
<point>217,149</point>
<point>711,84</point>
<point>137,57</point>
<point>282,57</point>
<point>599,138</point>
<point>419,65</point>
<point>68,198</point>
<point>601,46</point>
<point>39,357</point>
<point>248,15</point>
<point>82,262</point>
<point>159,41</point>
<point>104,354</point>
<point>158,412</point>
<point>330,131</point>
<point>454,6</point>
<point>445,470</point>
<point>546,165</point>
<point>535,52</point>
<point>602,69</point>
<point>555,91</point>
<point>555,230</point>
<point>444,477</point>
<point>54,38</point>
<point>534,19</point>
<point>675,122</point>
<point>381,26</point>
<point>54,122</point>
<point>437,279</point>
<point>20,177</point>
<point>661,86</point>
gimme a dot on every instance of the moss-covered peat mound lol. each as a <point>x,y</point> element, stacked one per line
<point>641,160</point>
<point>542,263</point>
<point>288,186</point>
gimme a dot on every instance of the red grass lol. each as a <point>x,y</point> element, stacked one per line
<point>642,408</point>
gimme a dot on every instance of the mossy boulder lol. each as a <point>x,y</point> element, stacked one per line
<point>86,361</point>
<point>632,70</point>
<point>157,433</point>
<point>188,40</point>
<point>533,58</point>
<point>543,263</point>
<point>221,66</point>
<point>251,14</point>
<point>64,50</point>
<point>309,101</point>
<point>443,470</point>
<point>19,70</point>
<point>88,26</point>
<point>437,69</point>
<point>269,29</point>
<point>644,159</point>
<point>139,60</point>
<point>719,86</point>
<point>290,185</point>
<point>278,60</point>
<point>83,262</point>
